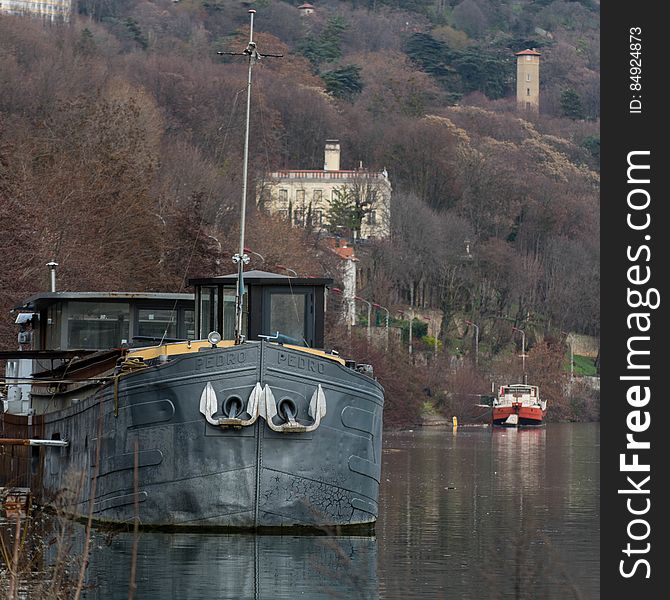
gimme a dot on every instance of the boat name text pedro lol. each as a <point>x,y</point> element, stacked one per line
<point>220,360</point>
<point>300,362</point>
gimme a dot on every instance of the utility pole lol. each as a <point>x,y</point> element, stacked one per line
<point>411,315</point>
<point>369,315</point>
<point>476,341</point>
<point>523,348</point>
<point>388,315</point>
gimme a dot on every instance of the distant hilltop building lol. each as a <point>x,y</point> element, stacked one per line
<point>306,9</point>
<point>528,80</point>
<point>355,203</point>
<point>50,10</point>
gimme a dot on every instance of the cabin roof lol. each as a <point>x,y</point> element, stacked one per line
<point>46,298</point>
<point>256,277</point>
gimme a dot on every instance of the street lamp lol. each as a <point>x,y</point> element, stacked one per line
<point>410,318</point>
<point>523,347</point>
<point>476,341</point>
<point>287,269</point>
<point>388,315</point>
<point>369,313</point>
<point>250,251</point>
<point>568,338</point>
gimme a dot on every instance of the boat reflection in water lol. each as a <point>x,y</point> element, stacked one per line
<point>182,565</point>
<point>522,456</point>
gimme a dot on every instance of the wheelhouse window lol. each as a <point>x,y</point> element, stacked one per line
<point>289,313</point>
<point>228,332</point>
<point>53,327</point>
<point>189,324</point>
<point>217,311</point>
<point>208,310</point>
<point>97,325</point>
<point>157,323</point>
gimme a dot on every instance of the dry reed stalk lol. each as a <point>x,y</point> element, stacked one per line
<point>89,522</point>
<point>14,569</point>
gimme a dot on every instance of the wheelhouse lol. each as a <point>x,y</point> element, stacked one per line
<point>519,391</point>
<point>63,321</point>
<point>288,309</point>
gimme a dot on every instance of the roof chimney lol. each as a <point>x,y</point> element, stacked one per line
<point>332,156</point>
<point>52,271</point>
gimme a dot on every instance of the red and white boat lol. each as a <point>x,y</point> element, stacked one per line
<point>517,405</point>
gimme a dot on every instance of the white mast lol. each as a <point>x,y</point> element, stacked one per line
<point>241,258</point>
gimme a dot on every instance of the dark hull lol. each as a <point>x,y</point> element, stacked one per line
<point>193,474</point>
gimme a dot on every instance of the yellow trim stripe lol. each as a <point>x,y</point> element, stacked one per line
<point>177,348</point>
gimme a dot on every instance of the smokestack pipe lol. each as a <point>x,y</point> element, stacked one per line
<point>52,269</point>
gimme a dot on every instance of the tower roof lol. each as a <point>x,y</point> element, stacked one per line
<point>528,53</point>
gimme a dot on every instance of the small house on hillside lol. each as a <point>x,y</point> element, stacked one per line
<point>306,9</point>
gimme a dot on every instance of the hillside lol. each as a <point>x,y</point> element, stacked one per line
<point>121,140</point>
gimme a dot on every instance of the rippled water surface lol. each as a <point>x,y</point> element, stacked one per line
<point>487,513</point>
<point>478,513</point>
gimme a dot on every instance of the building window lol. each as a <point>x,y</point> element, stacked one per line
<point>300,197</point>
<point>318,196</point>
<point>527,105</point>
<point>298,217</point>
<point>527,91</point>
<point>527,76</point>
<point>528,58</point>
<point>372,217</point>
<point>283,196</point>
<point>318,217</point>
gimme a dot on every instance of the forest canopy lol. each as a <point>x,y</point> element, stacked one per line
<point>121,142</point>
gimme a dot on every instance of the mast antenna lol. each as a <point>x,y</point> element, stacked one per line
<point>241,258</point>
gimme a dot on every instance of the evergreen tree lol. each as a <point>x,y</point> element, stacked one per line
<point>342,212</point>
<point>344,82</point>
<point>326,47</point>
<point>571,104</point>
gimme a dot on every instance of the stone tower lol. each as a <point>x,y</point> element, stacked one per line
<point>528,80</point>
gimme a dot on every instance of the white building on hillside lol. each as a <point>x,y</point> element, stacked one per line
<point>51,10</point>
<point>359,199</point>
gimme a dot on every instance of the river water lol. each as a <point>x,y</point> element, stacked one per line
<point>476,513</point>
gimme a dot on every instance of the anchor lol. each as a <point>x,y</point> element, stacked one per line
<point>209,406</point>
<point>317,410</point>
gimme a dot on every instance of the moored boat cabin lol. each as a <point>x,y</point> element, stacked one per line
<point>103,320</point>
<point>57,329</point>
